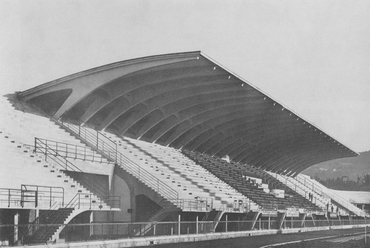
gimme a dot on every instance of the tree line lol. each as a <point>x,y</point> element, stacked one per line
<point>343,183</point>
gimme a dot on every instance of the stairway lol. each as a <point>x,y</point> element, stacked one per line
<point>47,225</point>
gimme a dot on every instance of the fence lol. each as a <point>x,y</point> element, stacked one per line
<point>31,196</point>
<point>99,231</point>
<point>52,152</point>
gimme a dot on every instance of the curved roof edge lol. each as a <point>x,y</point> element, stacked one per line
<point>106,67</point>
<point>267,95</point>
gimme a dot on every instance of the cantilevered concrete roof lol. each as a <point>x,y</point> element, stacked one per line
<point>188,101</point>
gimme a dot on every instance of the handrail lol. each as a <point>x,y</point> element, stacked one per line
<point>108,149</point>
<point>78,201</point>
<point>349,206</point>
<point>305,182</point>
<point>42,147</point>
<point>74,151</point>
<point>10,197</point>
<point>34,226</point>
<point>36,188</point>
<point>296,185</point>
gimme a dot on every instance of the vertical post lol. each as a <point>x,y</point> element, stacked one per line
<point>36,198</point>
<point>179,225</point>
<point>116,153</point>
<point>365,235</point>
<point>97,139</point>
<point>196,225</point>
<point>259,228</point>
<point>225,224</point>
<point>154,229</point>
<point>291,222</point>
<point>91,224</point>
<point>269,223</point>
<point>8,197</point>
<point>16,220</point>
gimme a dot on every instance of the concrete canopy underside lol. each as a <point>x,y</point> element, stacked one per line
<point>187,101</point>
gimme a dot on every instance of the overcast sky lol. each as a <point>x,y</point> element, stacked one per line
<point>311,56</point>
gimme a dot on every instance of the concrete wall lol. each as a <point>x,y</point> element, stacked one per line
<point>120,188</point>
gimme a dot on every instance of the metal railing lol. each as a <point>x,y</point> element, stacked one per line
<point>42,146</point>
<point>73,151</point>
<point>337,198</point>
<point>301,189</point>
<point>309,184</point>
<point>88,201</point>
<point>41,194</point>
<point>101,231</point>
<point>10,197</point>
<point>108,149</point>
<point>34,196</point>
<point>80,200</point>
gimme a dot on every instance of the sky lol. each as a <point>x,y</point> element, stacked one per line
<point>311,56</point>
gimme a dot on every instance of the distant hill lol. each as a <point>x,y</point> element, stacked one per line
<point>353,168</point>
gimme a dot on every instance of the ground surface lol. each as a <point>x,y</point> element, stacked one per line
<point>358,243</point>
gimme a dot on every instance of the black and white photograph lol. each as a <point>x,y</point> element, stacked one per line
<point>185,124</point>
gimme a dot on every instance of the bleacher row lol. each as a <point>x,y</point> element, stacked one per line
<point>236,175</point>
<point>30,169</point>
<point>192,175</point>
<point>196,175</point>
<point>190,180</point>
<point>20,165</point>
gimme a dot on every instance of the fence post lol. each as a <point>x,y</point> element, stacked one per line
<point>259,228</point>
<point>179,225</point>
<point>97,139</point>
<point>8,197</point>
<point>116,153</point>
<point>50,196</point>
<point>196,225</point>
<point>225,224</point>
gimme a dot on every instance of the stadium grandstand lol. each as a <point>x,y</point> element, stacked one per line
<point>171,144</point>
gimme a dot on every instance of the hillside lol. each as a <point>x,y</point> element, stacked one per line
<point>353,168</point>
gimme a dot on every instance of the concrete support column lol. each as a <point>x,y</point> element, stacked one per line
<point>16,229</point>
<point>91,221</point>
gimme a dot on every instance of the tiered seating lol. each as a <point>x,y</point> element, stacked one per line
<point>236,175</point>
<point>24,127</point>
<point>29,168</point>
<point>190,180</point>
<point>17,136</point>
<point>302,189</point>
<point>337,199</point>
